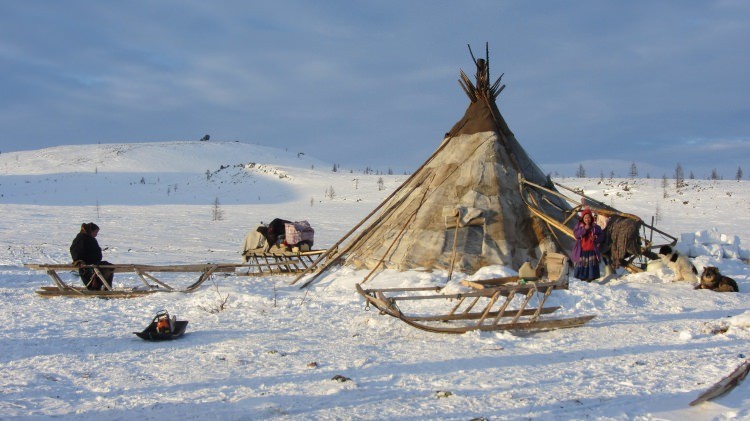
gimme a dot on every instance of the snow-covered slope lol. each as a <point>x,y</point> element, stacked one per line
<point>161,173</point>
<point>273,351</point>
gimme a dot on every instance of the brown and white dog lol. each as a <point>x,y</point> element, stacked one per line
<point>713,279</point>
<point>682,266</point>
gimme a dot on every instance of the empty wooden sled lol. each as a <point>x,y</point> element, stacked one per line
<point>508,303</point>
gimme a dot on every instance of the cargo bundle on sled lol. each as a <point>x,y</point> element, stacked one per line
<point>282,247</point>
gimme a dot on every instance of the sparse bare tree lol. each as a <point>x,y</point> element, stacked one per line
<point>679,176</point>
<point>581,173</point>
<point>381,184</point>
<point>217,212</point>
<point>633,170</point>
<point>714,174</point>
<point>330,194</point>
<point>220,304</point>
<point>657,217</point>
<point>738,177</point>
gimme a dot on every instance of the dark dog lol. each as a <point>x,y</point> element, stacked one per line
<point>679,264</point>
<point>713,279</point>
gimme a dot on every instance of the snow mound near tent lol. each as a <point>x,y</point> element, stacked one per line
<point>711,242</point>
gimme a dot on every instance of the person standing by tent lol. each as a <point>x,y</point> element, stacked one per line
<point>586,254</point>
<point>85,250</point>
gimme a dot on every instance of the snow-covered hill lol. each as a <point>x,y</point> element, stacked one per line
<point>274,350</point>
<point>166,173</point>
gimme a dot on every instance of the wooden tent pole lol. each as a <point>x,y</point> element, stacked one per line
<point>455,243</point>
<point>398,237</point>
<point>365,219</point>
<point>606,208</point>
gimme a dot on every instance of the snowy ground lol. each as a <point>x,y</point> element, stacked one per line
<point>273,352</point>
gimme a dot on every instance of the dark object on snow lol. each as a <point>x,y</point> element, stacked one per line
<point>205,138</point>
<point>163,328</point>
<point>622,238</point>
<point>274,232</point>
<point>712,279</point>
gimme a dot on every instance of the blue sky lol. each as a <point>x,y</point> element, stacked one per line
<point>375,83</point>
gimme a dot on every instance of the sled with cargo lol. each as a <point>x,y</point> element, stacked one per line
<point>68,286</point>
<point>279,261</point>
<point>507,303</point>
<point>281,247</point>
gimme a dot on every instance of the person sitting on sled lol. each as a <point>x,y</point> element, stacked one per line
<point>85,250</point>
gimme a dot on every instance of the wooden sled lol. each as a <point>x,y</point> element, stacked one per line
<point>538,197</point>
<point>151,284</point>
<point>281,261</point>
<point>493,304</point>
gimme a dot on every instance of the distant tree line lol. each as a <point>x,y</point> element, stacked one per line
<point>679,174</point>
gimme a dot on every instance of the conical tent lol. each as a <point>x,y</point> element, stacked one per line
<point>464,207</point>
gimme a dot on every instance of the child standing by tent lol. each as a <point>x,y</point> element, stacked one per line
<point>586,254</point>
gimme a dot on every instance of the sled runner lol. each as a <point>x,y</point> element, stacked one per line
<point>492,304</point>
<point>163,328</point>
<point>724,385</point>
<point>287,264</point>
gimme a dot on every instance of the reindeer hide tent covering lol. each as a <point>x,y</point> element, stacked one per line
<point>463,207</point>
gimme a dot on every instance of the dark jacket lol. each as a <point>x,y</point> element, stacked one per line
<point>86,248</point>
